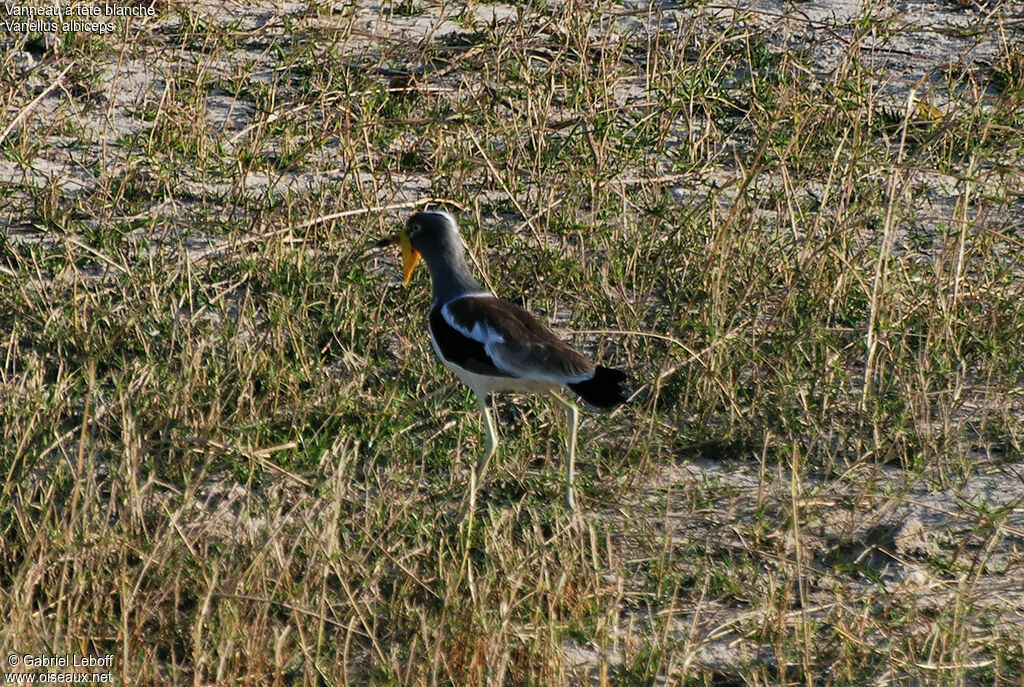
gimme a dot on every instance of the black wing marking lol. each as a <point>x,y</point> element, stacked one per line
<point>462,350</point>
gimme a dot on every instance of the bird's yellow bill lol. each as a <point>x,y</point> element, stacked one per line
<point>410,256</point>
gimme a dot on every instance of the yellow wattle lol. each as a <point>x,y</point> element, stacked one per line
<point>410,256</point>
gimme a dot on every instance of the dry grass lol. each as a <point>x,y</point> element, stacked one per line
<point>231,457</point>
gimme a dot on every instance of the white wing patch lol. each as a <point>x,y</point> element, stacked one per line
<point>481,330</point>
<point>484,333</point>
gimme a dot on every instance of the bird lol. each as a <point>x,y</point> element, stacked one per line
<point>493,345</point>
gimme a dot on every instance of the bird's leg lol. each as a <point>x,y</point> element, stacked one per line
<point>574,419</point>
<point>477,473</point>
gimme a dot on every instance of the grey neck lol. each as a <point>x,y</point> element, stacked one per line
<point>450,274</point>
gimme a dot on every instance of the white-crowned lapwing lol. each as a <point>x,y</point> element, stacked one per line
<point>494,345</point>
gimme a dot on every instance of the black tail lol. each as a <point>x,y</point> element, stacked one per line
<point>604,390</point>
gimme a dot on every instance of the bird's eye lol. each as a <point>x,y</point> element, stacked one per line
<point>414,228</point>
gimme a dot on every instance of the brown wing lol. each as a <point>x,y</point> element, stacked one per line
<point>515,341</point>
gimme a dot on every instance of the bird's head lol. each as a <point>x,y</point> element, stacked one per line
<point>431,234</point>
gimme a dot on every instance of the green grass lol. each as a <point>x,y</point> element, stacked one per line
<point>231,457</point>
